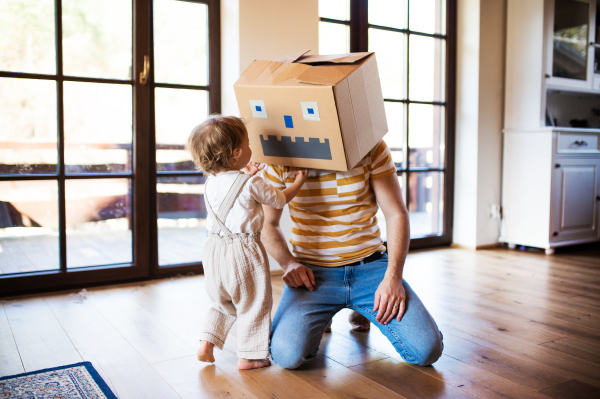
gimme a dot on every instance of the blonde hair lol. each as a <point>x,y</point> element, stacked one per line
<point>212,142</point>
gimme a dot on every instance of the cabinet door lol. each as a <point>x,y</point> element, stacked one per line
<point>570,36</point>
<point>575,206</point>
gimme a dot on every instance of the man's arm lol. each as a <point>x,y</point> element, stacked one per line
<point>295,274</point>
<point>391,292</point>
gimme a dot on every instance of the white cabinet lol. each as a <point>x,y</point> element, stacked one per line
<point>551,187</point>
<point>570,27</point>
<point>575,205</point>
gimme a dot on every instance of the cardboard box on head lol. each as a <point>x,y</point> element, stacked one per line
<point>316,111</point>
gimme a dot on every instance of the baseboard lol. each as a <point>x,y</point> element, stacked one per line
<point>477,248</point>
<point>277,272</point>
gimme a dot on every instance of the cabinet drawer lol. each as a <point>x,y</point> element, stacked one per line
<point>570,143</point>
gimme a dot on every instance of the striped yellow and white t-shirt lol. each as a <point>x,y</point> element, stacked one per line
<point>333,215</point>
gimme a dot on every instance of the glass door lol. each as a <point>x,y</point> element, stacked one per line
<point>91,148</point>
<point>571,41</point>
<point>181,101</point>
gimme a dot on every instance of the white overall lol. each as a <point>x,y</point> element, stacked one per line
<point>238,281</point>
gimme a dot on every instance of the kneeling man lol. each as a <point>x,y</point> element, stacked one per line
<point>340,262</point>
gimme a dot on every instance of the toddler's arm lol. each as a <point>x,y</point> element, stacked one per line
<point>293,190</point>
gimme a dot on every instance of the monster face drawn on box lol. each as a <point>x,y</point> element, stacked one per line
<point>286,147</point>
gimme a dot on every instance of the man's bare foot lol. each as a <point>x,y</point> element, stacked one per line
<point>328,328</point>
<point>359,322</point>
<point>247,364</point>
<point>205,353</point>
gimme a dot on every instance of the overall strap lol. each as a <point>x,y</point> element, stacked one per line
<point>227,204</point>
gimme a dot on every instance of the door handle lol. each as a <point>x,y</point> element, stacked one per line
<point>144,73</point>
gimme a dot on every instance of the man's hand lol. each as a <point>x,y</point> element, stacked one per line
<point>252,168</point>
<point>297,275</point>
<point>389,300</point>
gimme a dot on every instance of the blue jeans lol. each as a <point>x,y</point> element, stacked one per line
<point>302,315</point>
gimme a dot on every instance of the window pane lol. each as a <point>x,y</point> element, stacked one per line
<point>98,222</point>
<point>395,137</point>
<point>389,48</point>
<point>335,9</point>
<point>28,226</point>
<point>98,127</point>
<point>426,204</point>
<point>390,13</point>
<point>180,42</point>
<point>27,126</point>
<point>425,132</point>
<point>27,38</point>
<point>181,219</point>
<point>177,112</point>
<point>97,38</point>
<point>426,69</point>
<point>381,217</point>
<point>428,16</point>
<point>334,38</point>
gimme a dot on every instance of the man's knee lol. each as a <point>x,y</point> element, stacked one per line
<point>429,354</point>
<point>288,356</point>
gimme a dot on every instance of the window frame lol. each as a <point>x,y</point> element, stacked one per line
<point>143,170</point>
<point>359,42</point>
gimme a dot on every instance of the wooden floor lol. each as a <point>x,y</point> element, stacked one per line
<point>516,324</point>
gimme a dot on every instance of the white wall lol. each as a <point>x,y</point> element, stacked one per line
<point>263,29</point>
<point>480,96</point>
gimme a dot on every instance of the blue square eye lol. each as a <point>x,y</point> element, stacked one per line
<point>288,122</point>
<point>258,108</point>
<point>311,111</point>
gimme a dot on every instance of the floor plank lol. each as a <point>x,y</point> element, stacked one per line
<point>192,379</point>
<point>476,381</point>
<point>139,328</point>
<point>10,361</point>
<point>99,342</point>
<point>573,390</point>
<point>41,340</point>
<point>407,381</point>
<point>336,381</point>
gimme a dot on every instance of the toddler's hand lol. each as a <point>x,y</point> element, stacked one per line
<point>301,176</point>
<point>252,168</point>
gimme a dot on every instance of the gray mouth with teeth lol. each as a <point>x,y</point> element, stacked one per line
<point>286,148</point>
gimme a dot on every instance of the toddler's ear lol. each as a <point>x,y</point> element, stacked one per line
<point>237,152</point>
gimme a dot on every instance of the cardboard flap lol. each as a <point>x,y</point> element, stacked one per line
<point>349,58</point>
<point>271,73</point>
<point>252,72</point>
<point>325,74</point>
<point>291,58</point>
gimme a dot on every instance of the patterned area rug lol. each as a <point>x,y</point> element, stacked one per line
<point>75,381</point>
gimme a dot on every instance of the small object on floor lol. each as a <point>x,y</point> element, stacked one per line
<point>74,381</point>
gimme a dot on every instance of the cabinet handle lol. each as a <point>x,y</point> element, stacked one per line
<point>557,165</point>
<point>555,233</point>
<point>592,43</point>
<point>581,143</point>
<point>597,197</point>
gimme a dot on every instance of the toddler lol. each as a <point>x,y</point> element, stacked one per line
<point>236,267</point>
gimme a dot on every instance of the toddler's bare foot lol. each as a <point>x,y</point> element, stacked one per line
<point>359,322</point>
<point>205,353</point>
<point>247,364</point>
<point>328,328</point>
